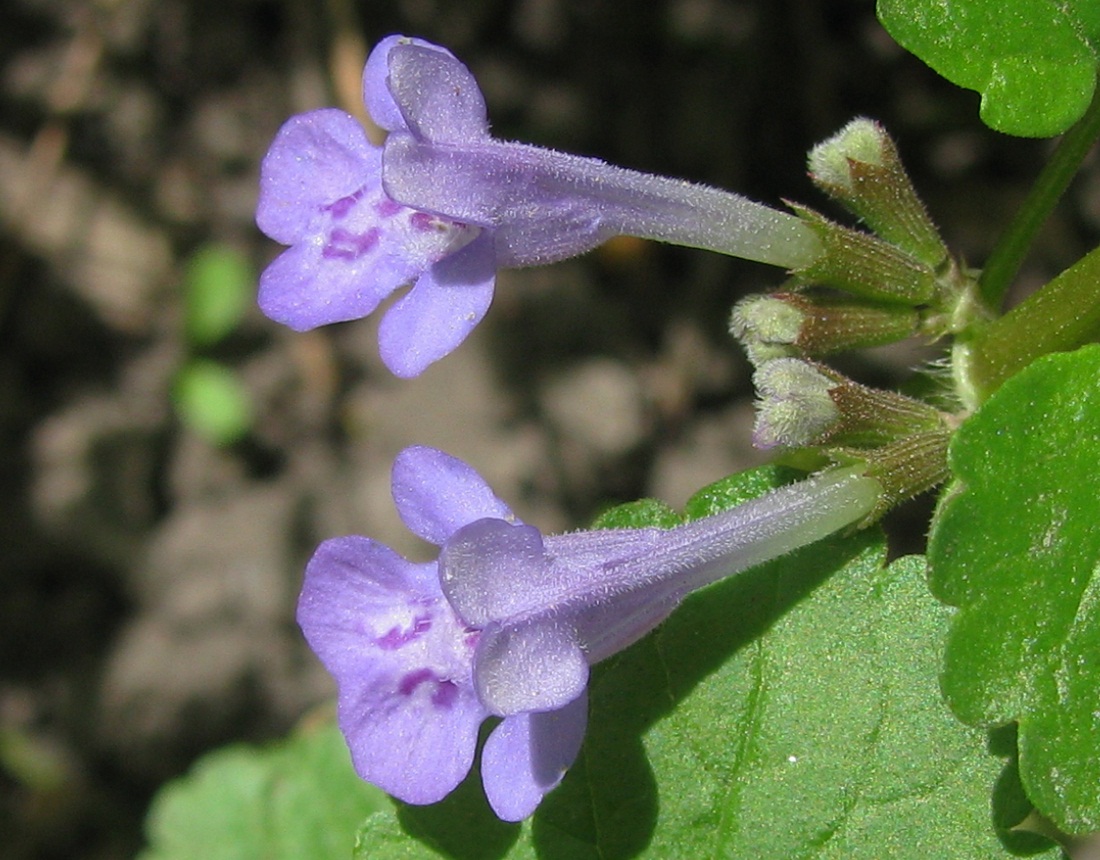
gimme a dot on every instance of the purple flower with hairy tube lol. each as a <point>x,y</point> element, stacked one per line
<point>444,205</point>
<point>537,205</point>
<point>507,621</point>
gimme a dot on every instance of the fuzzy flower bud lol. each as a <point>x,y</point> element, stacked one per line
<point>794,408</point>
<point>802,403</point>
<point>801,323</point>
<point>860,167</point>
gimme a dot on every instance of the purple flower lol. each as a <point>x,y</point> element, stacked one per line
<point>507,622</point>
<point>445,205</point>
<point>539,205</point>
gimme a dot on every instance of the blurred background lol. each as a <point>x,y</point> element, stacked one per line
<point>169,458</point>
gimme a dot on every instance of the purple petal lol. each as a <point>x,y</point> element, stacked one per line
<point>534,665</point>
<point>316,158</point>
<point>302,289</point>
<point>356,593</point>
<point>440,311</point>
<point>402,664</point>
<point>361,247</point>
<point>376,90</point>
<point>439,99</point>
<point>607,627</point>
<point>413,737</point>
<point>436,494</point>
<point>494,571</point>
<point>527,755</point>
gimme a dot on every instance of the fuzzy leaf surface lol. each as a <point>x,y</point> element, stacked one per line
<point>299,798</point>
<point>1016,547</point>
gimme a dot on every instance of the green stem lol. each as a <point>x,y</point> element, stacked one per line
<point>1063,315</point>
<point>1011,248</point>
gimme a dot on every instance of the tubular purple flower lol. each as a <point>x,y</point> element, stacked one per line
<point>444,205</point>
<point>507,622</point>
<point>541,205</point>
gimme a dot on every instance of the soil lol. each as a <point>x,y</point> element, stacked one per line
<point>147,576</point>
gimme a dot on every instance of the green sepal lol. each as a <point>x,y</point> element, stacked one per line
<point>864,265</point>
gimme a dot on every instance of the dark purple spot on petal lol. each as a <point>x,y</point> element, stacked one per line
<point>445,694</point>
<point>344,245</point>
<point>396,637</point>
<point>407,685</point>
<point>387,208</point>
<point>341,207</point>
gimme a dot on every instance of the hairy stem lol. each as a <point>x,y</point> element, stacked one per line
<point>1011,248</point>
<point>1063,315</point>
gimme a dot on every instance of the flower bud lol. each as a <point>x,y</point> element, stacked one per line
<point>794,408</point>
<point>802,403</point>
<point>802,323</point>
<point>860,167</point>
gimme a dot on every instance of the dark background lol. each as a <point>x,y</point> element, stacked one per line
<point>148,577</point>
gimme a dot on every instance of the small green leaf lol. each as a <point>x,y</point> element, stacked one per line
<point>1016,546</point>
<point>637,515</point>
<point>737,489</point>
<point>1033,61</point>
<point>712,499</point>
<point>211,400</point>
<point>297,799</point>
<point>791,712</point>
<point>218,286</point>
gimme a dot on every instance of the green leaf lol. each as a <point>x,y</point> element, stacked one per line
<point>296,799</point>
<point>738,489</point>
<point>790,712</point>
<point>1016,546</point>
<point>638,515</point>
<point>211,400</point>
<point>218,286</point>
<point>712,499</point>
<point>1033,61</point>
